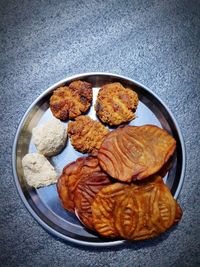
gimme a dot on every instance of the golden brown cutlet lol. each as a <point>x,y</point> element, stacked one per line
<point>71,101</point>
<point>116,104</point>
<point>86,135</point>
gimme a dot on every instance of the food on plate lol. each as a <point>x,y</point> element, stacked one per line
<point>166,167</point>
<point>116,104</point>
<point>86,135</point>
<point>68,102</point>
<point>117,191</point>
<point>70,177</point>
<point>103,207</point>
<point>85,192</point>
<point>38,171</point>
<point>135,211</point>
<point>135,152</point>
<point>50,138</point>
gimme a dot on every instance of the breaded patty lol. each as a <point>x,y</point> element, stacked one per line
<point>70,177</point>
<point>116,104</point>
<point>68,102</point>
<point>86,135</point>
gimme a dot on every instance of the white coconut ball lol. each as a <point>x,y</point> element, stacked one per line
<point>38,171</point>
<point>50,138</point>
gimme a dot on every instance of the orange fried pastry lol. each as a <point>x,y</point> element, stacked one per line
<point>135,212</point>
<point>85,192</point>
<point>116,104</point>
<point>70,177</point>
<point>86,135</point>
<point>135,152</point>
<point>103,207</point>
<point>68,102</point>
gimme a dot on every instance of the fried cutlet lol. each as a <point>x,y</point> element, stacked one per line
<point>135,152</point>
<point>116,104</point>
<point>86,135</point>
<point>68,102</point>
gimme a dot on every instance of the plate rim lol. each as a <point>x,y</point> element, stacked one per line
<point>14,149</point>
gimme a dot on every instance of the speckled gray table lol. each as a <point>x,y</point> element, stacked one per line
<point>154,42</point>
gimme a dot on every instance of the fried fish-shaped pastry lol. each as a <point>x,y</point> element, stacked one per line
<point>70,177</point>
<point>68,102</point>
<point>86,135</point>
<point>116,104</point>
<point>147,211</point>
<point>135,152</point>
<point>103,207</point>
<point>85,192</point>
<point>137,211</point>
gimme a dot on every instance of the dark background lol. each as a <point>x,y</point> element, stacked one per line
<point>154,42</point>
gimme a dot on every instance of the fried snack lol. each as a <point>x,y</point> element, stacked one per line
<point>116,104</point>
<point>166,167</point>
<point>136,211</point>
<point>70,177</point>
<point>86,135</point>
<point>85,192</point>
<point>68,102</point>
<point>103,207</point>
<point>135,152</point>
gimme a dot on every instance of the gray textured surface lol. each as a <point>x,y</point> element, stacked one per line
<point>154,42</point>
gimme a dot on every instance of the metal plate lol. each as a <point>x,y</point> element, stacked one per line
<point>44,203</point>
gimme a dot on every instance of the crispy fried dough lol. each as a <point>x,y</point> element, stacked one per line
<point>136,211</point>
<point>116,104</point>
<point>103,207</point>
<point>85,192</point>
<point>135,152</point>
<point>86,135</point>
<point>71,101</point>
<point>70,177</point>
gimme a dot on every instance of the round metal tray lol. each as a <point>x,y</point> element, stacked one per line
<point>44,203</point>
